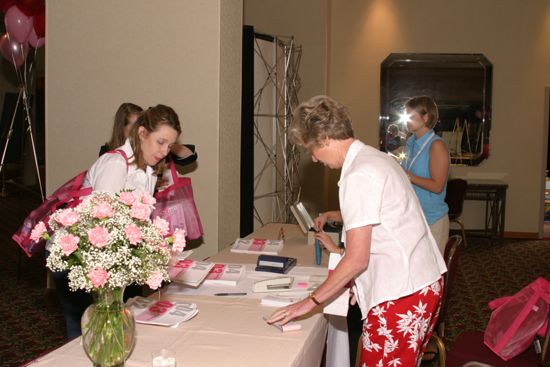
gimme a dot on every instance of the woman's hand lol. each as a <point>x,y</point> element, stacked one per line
<point>320,221</point>
<point>283,315</point>
<point>180,150</point>
<point>327,242</point>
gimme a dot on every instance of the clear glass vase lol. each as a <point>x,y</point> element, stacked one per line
<point>108,329</point>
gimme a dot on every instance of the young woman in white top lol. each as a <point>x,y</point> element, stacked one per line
<point>150,140</point>
<point>125,117</point>
<point>391,257</point>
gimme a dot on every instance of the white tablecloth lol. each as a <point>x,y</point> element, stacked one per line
<point>228,331</point>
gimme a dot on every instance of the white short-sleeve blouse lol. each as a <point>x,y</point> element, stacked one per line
<point>404,258</point>
<point>111,173</point>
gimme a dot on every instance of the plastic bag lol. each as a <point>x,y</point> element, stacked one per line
<point>67,195</point>
<point>516,320</point>
<point>176,204</point>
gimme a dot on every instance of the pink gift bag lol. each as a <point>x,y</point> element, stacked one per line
<point>517,319</point>
<point>67,196</point>
<point>177,205</point>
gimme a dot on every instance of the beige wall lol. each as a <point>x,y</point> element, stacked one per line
<point>286,18</point>
<point>514,35</point>
<point>103,53</point>
<point>360,34</point>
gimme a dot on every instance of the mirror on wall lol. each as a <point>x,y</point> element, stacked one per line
<point>461,85</point>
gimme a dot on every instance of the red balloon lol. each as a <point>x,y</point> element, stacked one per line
<point>28,7</point>
<point>13,51</point>
<point>39,23</point>
<point>6,4</point>
<point>18,25</point>
<point>36,41</point>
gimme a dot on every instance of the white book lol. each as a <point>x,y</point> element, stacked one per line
<point>190,272</point>
<point>257,246</point>
<point>162,313</point>
<point>339,305</point>
<point>225,274</point>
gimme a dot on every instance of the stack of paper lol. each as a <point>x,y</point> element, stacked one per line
<point>163,313</point>
<point>257,246</point>
<point>225,274</point>
<point>189,272</point>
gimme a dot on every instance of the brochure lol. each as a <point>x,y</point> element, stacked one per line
<point>225,274</point>
<point>162,313</point>
<point>189,272</point>
<point>257,246</point>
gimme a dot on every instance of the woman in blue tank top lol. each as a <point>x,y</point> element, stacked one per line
<point>427,165</point>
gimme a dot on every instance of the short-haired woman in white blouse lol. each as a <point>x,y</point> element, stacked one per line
<point>390,254</point>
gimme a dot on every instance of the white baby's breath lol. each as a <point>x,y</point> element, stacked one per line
<point>117,261</point>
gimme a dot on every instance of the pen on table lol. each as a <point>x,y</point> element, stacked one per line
<point>281,234</point>
<point>230,294</point>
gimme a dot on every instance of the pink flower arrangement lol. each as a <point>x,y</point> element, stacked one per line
<point>140,211</point>
<point>98,277</point>
<point>38,231</point>
<point>98,236</point>
<point>68,244</point>
<point>67,217</point>
<point>103,210</point>
<point>133,233</point>
<point>109,241</point>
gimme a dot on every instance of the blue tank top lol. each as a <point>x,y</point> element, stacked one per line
<point>418,162</point>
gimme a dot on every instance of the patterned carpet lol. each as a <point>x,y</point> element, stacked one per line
<point>31,322</point>
<point>487,272</point>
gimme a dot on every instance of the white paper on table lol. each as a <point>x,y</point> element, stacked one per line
<point>305,280</point>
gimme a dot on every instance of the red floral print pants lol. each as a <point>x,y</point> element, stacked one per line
<point>395,333</point>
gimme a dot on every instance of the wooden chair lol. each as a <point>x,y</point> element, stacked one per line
<point>453,250</point>
<point>456,191</point>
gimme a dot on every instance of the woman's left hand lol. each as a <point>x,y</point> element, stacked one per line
<point>283,315</point>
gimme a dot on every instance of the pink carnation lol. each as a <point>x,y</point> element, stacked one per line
<point>146,198</point>
<point>68,244</point>
<point>98,277</point>
<point>162,225</point>
<point>103,210</point>
<point>98,236</point>
<point>155,280</point>
<point>179,240</point>
<point>127,197</point>
<point>133,233</point>
<point>67,217</point>
<point>140,211</point>
<point>38,231</point>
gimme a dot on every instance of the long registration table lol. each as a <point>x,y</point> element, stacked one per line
<point>228,331</point>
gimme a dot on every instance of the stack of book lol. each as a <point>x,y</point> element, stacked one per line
<point>257,246</point>
<point>190,272</point>
<point>225,274</point>
<point>162,313</point>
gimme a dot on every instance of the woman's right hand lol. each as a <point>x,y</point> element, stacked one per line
<point>320,221</point>
<point>327,242</point>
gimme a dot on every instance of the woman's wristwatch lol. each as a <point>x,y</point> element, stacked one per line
<point>312,296</point>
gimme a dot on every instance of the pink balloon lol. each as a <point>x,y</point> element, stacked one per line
<point>18,25</point>
<point>13,51</point>
<point>36,41</point>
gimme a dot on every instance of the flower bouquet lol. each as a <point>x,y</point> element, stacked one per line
<point>105,243</point>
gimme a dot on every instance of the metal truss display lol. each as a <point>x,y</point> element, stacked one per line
<point>277,82</point>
